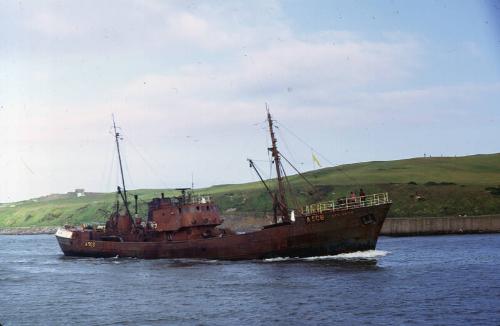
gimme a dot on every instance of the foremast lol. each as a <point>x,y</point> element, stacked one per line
<point>279,200</point>
<point>123,193</point>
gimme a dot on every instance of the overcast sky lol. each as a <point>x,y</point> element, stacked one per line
<point>188,82</point>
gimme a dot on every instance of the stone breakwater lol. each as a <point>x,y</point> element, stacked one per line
<point>28,230</point>
<point>401,226</point>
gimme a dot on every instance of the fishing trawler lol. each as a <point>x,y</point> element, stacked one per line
<point>189,226</point>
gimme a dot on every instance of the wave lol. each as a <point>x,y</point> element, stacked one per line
<point>358,255</point>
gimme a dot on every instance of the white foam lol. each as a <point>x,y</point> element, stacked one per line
<point>368,254</point>
<point>271,260</point>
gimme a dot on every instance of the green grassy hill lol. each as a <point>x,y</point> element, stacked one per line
<point>447,186</point>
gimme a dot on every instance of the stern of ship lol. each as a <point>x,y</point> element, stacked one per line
<point>65,239</point>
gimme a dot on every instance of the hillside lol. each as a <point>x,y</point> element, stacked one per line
<point>445,185</point>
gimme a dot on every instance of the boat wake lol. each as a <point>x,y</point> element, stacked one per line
<point>352,256</point>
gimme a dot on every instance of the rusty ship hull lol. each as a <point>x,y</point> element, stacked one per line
<point>189,226</point>
<point>317,234</point>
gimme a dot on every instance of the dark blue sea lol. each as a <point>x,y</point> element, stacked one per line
<point>438,280</point>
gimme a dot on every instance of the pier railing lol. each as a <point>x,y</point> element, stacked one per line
<point>347,203</point>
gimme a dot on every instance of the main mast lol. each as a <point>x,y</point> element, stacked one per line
<point>124,193</point>
<point>279,198</point>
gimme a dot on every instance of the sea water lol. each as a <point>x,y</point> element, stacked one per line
<point>434,280</point>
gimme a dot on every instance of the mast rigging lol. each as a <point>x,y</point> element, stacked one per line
<point>252,165</point>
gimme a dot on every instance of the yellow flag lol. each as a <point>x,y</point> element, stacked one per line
<point>315,160</point>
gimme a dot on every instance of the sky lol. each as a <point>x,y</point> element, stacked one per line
<point>188,83</point>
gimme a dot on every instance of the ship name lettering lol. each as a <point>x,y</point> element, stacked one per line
<point>315,218</point>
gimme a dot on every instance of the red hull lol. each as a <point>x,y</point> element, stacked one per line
<point>332,233</point>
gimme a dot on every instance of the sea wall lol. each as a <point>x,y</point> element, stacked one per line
<point>441,225</point>
<point>28,230</point>
<point>392,226</point>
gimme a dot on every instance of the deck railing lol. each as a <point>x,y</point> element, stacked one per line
<point>347,203</point>
<point>200,199</point>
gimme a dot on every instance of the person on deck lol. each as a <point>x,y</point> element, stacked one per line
<point>352,197</point>
<point>362,195</point>
<point>352,200</point>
